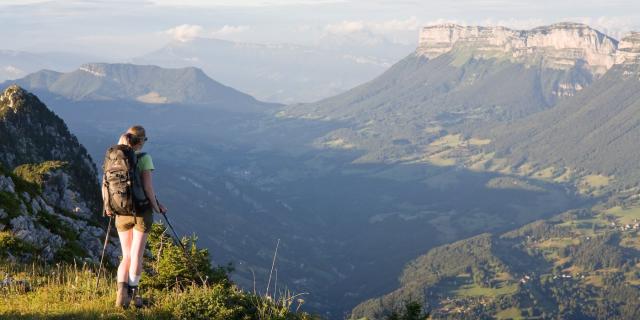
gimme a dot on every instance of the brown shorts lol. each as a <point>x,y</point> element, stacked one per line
<point>141,223</point>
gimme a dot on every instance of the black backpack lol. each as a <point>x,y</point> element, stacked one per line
<point>122,181</point>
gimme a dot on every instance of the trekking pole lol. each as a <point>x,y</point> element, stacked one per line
<point>175,235</point>
<point>184,249</point>
<point>104,248</point>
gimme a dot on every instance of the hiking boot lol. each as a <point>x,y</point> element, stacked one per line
<point>122,296</point>
<point>134,293</point>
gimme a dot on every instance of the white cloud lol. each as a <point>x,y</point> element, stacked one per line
<point>379,27</point>
<point>185,32</point>
<point>512,23</point>
<point>345,27</point>
<point>227,30</point>
<point>399,31</point>
<point>616,27</point>
<point>410,24</point>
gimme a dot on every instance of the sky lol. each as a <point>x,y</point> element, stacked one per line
<point>123,29</point>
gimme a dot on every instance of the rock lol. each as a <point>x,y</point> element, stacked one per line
<point>57,191</point>
<point>27,229</point>
<point>35,206</point>
<point>629,49</point>
<point>563,45</point>
<point>7,185</point>
<point>44,206</point>
<point>12,95</point>
<point>23,209</point>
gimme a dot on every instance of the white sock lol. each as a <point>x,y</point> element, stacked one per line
<point>133,279</point>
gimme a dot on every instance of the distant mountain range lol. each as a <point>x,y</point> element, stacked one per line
<point>282,72</point>
<point>595,132</point>
<point>145,84</point>
<point>557,103</point>
<point>464,94</point>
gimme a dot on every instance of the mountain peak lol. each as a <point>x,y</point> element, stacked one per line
<point>147,84</point>
<point>561,45</point>
<point>11,98</point>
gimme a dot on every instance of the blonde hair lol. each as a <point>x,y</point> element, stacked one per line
<point>137,131</point>
<point>124,139</point>
<point>135,135</point>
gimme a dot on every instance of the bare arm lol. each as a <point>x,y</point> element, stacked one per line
<point>147,184</point>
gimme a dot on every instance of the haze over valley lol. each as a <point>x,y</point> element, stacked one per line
<point>467,169</point>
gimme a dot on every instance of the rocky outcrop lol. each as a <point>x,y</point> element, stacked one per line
<point>26,228</point>
<point>48,228</point>
<point>34,134</point>
<point>57,190</point>
<point>629,49</point>
<point>559,46</point>
<point>50,211</point>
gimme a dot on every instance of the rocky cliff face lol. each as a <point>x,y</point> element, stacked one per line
<point>558,46</point>
<point>629,49</point>
<point>31,133</point>
<point>49,195</point>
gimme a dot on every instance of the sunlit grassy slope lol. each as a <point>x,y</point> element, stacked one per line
<point>70,292</point>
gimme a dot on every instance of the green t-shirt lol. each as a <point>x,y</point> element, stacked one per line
<point>145,163</point>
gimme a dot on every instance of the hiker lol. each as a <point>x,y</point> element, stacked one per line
<point>134,227</point>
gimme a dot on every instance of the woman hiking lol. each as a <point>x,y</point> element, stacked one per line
<point>133,229</point>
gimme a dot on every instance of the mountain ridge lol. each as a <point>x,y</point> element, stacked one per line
<point>142,83</point>
<point>559,45</point>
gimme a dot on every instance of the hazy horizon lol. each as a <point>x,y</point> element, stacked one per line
<point>120,30</point>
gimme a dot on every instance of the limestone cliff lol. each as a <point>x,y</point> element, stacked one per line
<point>559,46</point>
<point>629,49</point>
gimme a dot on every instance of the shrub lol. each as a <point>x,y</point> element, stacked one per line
<point>412,311</point>
<point>218,302</point>
<point>9,244</point>
<point>32,176</point>
<point>169,265</point>
<point>10,203</point>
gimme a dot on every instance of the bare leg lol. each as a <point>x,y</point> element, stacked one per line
<point>137,252</point>
<point>125,263</point>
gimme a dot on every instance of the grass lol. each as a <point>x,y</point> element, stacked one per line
<point>479,162</point>
<point>511,313</point>
<point>565,176</point>
<point>557,243</point>
<point>594,280</point>
<point>593,184</point>
<point>546,173</point>
<point>339,143</point>
<point>68,291</point>
<point>463,286</point>
<point>630,241</point>
<point>439,159</point>
<point>625,215</point>
<point>33,175</point>
<point>597,180</point>
<point>526,169</point>
<point>451,140</point>
<point>479,142</point>
<point>474,290</point>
